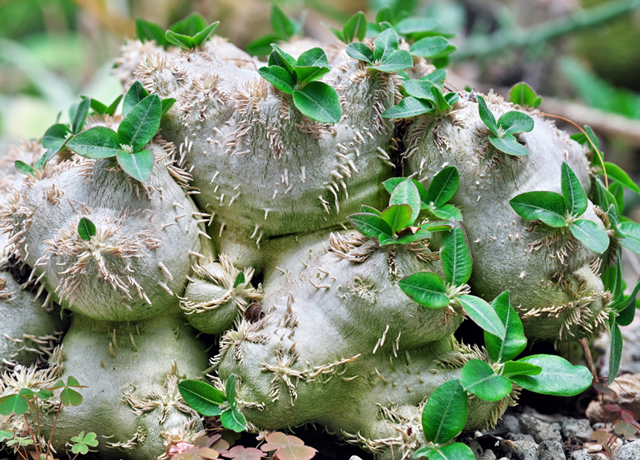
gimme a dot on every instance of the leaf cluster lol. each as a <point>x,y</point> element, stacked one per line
<point>385,55</point>
<point>189,33</point>
<point>287,447</point>
<point>524,96</point>
<point>142,113</point>
<point>563,211</point>
<point>355,29</point>
<point>284,28</point>
<point>395,225</point>
<point>503,131</point>
<point>210,402</point>
<point>314,99</point>
<point>445,413</point>
<point>423,96</point>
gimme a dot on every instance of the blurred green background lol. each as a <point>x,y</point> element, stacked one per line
<point>52,51</point>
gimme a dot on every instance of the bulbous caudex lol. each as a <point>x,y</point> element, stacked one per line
<point>554,280</point>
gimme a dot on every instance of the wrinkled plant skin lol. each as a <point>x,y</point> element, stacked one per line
<point>131,370</point>
<point>252,154</point>
<point>328,336</point>
<point>554,280</point>
<point>370,340</point>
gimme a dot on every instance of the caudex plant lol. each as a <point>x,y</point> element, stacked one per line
<point>151,227</point>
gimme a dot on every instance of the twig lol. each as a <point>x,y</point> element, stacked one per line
<point>53,429</point>
<point>587,356</point>
<point>484,46</point>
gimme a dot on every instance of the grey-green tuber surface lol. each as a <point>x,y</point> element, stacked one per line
<point>328,336</point>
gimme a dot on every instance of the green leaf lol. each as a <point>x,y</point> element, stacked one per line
<point>443,186</point>
<point>391,184</point>
<point>98,107</point>
<point>284,27</point>
<point>441,102</point>
<point>355,28</point>
<point>111,110</point>
<point>24,168</point>
<point>183,41</point>
<point>385,14</point>
<point>558,377</point>
<point>616,173</point>
<point>141,124</point>
<point>523,95</point>
<point>13,404</point>
<point>445,414</point>
<point>418,236</point>
<point>278,77</point>
<point>486,116</point>
<point>135,94</point>
<point>438,77</point>
<point>604,197</point>
<point>319,102</point>
<point>590,234</point>
<point>233,419</point>
<point>632,239</point>
<point>261,46</point>
<point>432,48</point>
<point>627,315</point>
<point>138,165</point>
<point>546,206</point>
<point>408,107</point>
<point>86,229</point>
<point>309,74</point>
<point>618,192</point>
<point>415,25</point>
<point>338,33</point>
<point>97,142</point>
<point>55,137</point>
<point>385,44</point>
<point>80,116</point>
<point>230,389</point>
<point>5,435</point>
<point>514,341</point>
<point>478,378</point>
<point>456,258</point>
<point>447,212</point>
<point>628,301</point>
<point>509,145</point>
<point>575,199</point>
<point>202,397</point>
<point>69,397</point>
<point>147,31</point>
<point>361,52</point>
<point>482,314</point>
<point>424,451</point>
<point>190,25</point>
<point>512,368</point>
<point>515,122</point>
<point>202,36</point>
<point>420,89</point>
<point>397,216</point>
<point>406,192</point>
<point>240,279</point>
<point>455,451</point>
<point>315,57</point>
<point>615,351</point>
<point>426,289</point>
<point>370,225</point>
<point>370,210</point>
<point>282,59</point>
<point>167,104</point>
<point>394,62</point>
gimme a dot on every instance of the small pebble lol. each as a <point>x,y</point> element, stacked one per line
<point>576,430</point>
<point>550,450</point>
<point>540,430</point>
<point>581,455</point>
<point>629,451</point>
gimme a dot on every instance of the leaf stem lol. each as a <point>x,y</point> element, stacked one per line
<point>596,149</point>
<point>35,444</point>
<point>53,429</point>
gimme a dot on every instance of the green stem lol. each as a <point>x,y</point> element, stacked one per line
<point>484,46</point>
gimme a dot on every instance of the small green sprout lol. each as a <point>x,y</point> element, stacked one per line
<point>82,442</point>
<point>86,229</point>
<point>142,113</point>
<point>503,131</point>
<point>395,225</point>
<point>354,29</point>
<point>524,96</point>
<point>102,109</point>
<point>423,97</point>
<point>314,99</point>
<point>284,28</point>
<point>189,33</point>
<point>436,49</point>
<point>385,56</point>
<point>210,402</point>
<point>563,211</point>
